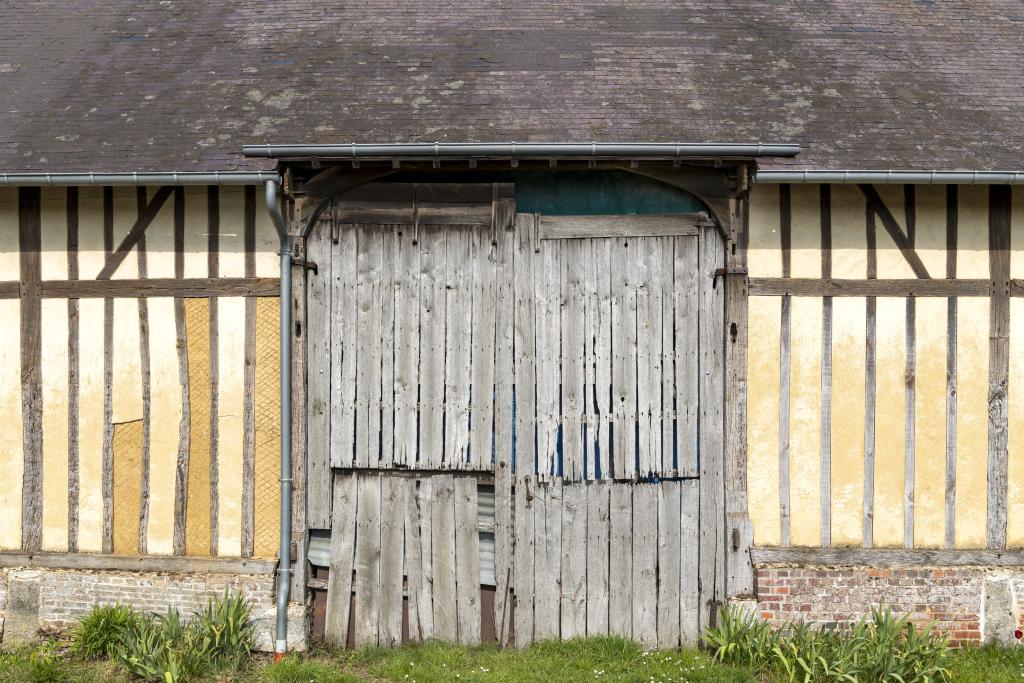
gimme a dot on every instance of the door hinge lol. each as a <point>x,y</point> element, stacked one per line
<point>736,270</point>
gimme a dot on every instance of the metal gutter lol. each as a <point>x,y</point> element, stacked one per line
<point>284,572</point>
<point>894,177</point>
<point>160,178</point>
<point>522,150</point>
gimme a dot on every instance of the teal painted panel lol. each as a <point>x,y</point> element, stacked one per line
<point>594,193</point>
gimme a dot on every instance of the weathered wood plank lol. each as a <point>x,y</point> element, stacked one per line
<point>387,348</point>
<point>784,417</point>
<point>297,429</point>
<point>525,558</point>
<point>624,357</point>
<point>645,563</point>
<point>344,347</point>
<point>318,377</point>
<point>1000,206</point>
<point>249,379</point>
<point>889,558</point>
<point>367,560</point>
<point>547,567</point>
<point>910,423</point>
<point>458,329</point>
<point>572,322</point>
<point>212,271</point>
<point>107,466</point>
<point>432,340</point>
<point>343,536</point>
<point>825,213</point>
<point>548,330</point>
<point>425,580</point>
<point>147,390</point>
<point>689,561</point>
<point>669,466</point>
<point>574,561</point>
<point>597,493</point>
<point>136,563</point>
<point>407,348</point>
<point>467,561</point>
<point>484,310</point>
<point>146,288</point>
<point>620,560</point>
<point>442,522</point>
<point>870,374</point>
<point>184,431</point>
<point>525,362</point>
<point>368,353</point>
<point>392,537</point>
<point>686,323</point>
<point>29,245</point>
<point>771,286</point>
<point>74,375</point>
<point>424,213</point>
<point>117,256</point>
<point>648,343</point>
<point>669,556</point>
<point>952,227</point>
<point>712,504</point>
<point>632,226</point>
<point>413,552</point>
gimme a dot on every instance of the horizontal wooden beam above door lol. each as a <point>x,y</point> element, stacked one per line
<point>634,225</point>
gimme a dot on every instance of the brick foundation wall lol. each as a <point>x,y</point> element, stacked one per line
<point>55,599</point>
<point>971,605</point>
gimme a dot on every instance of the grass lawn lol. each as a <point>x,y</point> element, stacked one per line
<point>600,659</point>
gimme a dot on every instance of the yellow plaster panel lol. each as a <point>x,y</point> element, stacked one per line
<point>763,255</point>
<point>197,516</point>
<point>90,426</point>
<point>972,421</point>
<point>127,456</point>
<point>931,228</point>
<point>763,419</point>
<point>849,255</point>
<point>90,233</point>
<point>53,234</point>
<point>54,365</point>
<point>805,421</point>
<point>930,424</point>
<point>267,440</point>
<point>805,231</point>
<point>165,418</point>
<point>196,232</point>
<point>126,212</point>
<point>891,263</point>
<point>972,233</point>
<point>126,391</point>
<point>1015,521</point>
<point>11,449</point>
<point>160,241</point>
<point>266,240</point>
<point>10,266</point>
<point>232,231</point>
<point>231,381</point>
<point>848,420</point>
<point>1017,233</point>
<point>890,362</point>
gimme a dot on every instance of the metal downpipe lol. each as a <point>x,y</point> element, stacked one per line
<point>284,572</point>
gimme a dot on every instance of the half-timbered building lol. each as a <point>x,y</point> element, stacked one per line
<point>512,323</point>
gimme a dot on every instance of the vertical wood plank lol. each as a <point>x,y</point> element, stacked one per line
<point>503,447</point>
<point>909,425</point>
<point>624,357</point>
<point>392,538</point>
<point>29,244</point>
<point>689,561</point>
<point>344,347</point>
<point>669,466</point>
<point>574,560</point>
<point>108,383</point>
<point>74,373</point>
<point>870,384</point>
<point>467,561</point>
<point>425,580</point>
<point>669,555</point>
<point>484,291</point>
<point>407,348</point>
<point>572,324</point>
<point>343,536</point>
<point>318,376</point>
<point>825,212</point>
<point>952,226</point>
<point>548,538</point>
<point>145,362</point>
<point>368,353</point>
<point>525,558</point>
<point>413,551</point>
<point>213,270</point>
<point>1000,202</point>
<point>712,510</point>
<point>432,346</point>
<point>597,557</point>
<point>548,331</point>
<point>442,523</point>
<point>785,346</point>
<point>367,560</point>
<point>620,560</point>
<point>645,564</point>
<point>297,430</point>
<point>249,379</point>
<point>181,466</point>
<point>601,265</point>
<point>686,350</point>
<point>458,330</point>
<point>387,348</point>
<point>525,358</point>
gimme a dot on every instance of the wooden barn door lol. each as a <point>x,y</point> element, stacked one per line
<point>570,367</point>
<point>618,342</point>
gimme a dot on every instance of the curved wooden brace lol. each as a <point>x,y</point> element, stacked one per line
<point>710,185</point>
<point>327,184</point>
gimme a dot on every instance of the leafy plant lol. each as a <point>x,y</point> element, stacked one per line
<point>880,649</point>
<point>101,630</point>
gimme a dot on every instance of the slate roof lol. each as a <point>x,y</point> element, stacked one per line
<point>115,85</point>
